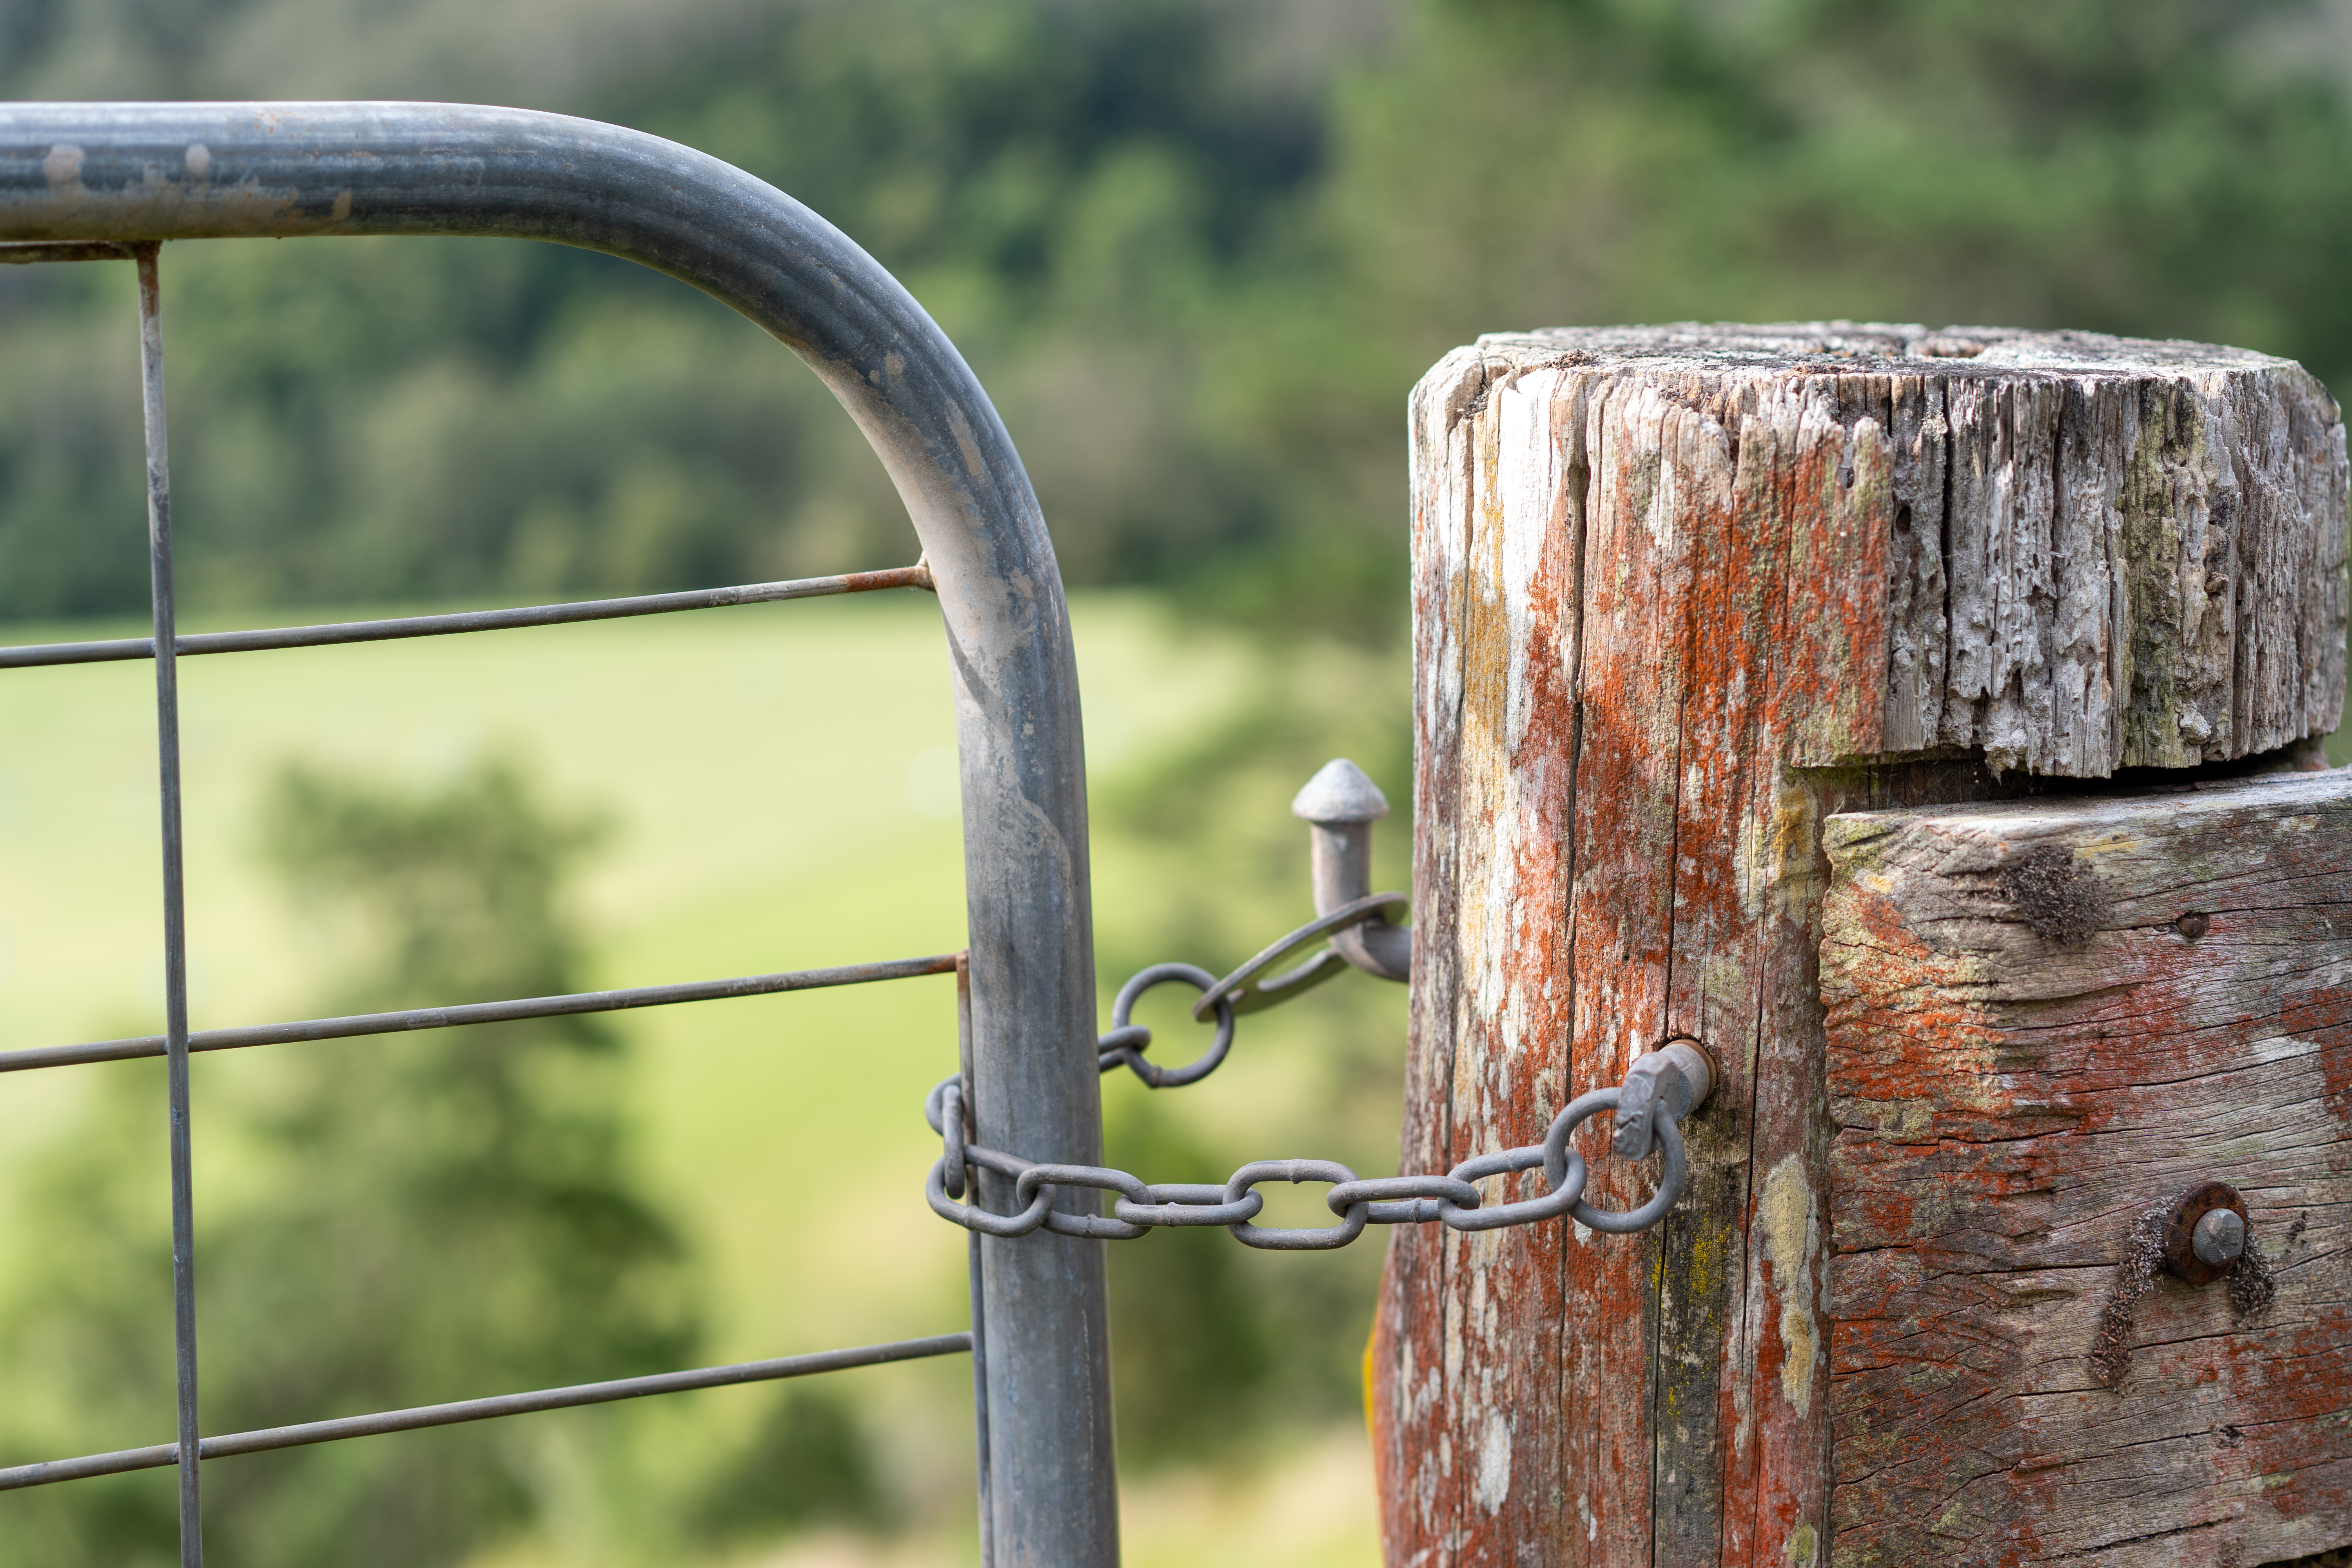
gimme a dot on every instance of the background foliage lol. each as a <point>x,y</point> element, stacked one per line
<point>1197,249</point>
<point>450,1213</point>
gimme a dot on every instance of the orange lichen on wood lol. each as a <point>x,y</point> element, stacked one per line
<point>1680,594</point>
<point>2012,1102</point>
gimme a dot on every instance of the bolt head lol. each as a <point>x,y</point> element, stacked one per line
<point>2220,1237</point>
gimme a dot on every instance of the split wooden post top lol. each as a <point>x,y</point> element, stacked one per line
<point>1681,593</point>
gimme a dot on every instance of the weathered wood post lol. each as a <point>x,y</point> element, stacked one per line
<point>1718,630</point>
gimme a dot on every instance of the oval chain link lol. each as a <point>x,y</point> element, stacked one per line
<point>1140,1206</point>
<point>1453,1199</point>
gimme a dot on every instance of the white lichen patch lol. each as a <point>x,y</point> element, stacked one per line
<point>1493,1482</point>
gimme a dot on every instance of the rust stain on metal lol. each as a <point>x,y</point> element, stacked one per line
<point>916,576</point>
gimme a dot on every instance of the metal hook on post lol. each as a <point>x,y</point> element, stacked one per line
<point>1671,1081</point>
<point>1352,928</point>
<point>1340,804</point>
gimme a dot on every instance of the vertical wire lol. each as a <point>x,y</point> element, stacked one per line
<point>980,1397</point>
<point>175,924</point>
<point>973,1271</point>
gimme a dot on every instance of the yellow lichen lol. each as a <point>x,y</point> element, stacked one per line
<point>1792,1237</point>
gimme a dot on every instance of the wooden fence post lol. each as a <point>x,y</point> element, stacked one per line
<point>1680,594</point>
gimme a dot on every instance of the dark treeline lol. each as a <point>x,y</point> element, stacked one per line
<point>1197,249</point>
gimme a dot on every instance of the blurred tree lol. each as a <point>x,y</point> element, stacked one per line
<point>2175,167</point>
<point>1197,249</point>
<point>1220,1351</point>
<point>1194,1355</point>
<point>807,1463</point>
<point>2178,168</point>
<point>1070,187</point>
<point>410,1219</point>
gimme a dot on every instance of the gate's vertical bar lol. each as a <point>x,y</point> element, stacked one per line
<point>973,1271</point>
<point>1053,1495</point>
<point>175,924</point>
<point>1053,1492</point>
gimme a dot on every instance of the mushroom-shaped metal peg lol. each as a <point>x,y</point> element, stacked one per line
<point>1340,804</point>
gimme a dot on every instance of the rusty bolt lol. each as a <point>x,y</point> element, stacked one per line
<point>2193,924</point>
<point>2206,1232</point>
<point>2220,1237</point>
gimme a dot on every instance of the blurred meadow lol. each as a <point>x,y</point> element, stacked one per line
<point>777,784</point>
<point>1198,250</point>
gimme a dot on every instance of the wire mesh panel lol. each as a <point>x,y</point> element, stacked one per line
<point>94,183</point>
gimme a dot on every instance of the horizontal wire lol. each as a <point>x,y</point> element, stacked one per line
<point>32,654</point>
<point>223,1447</point>
<point>480,1013</point>
<point>26,252</point>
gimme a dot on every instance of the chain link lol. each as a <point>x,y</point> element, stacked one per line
<point>1139,1207</point>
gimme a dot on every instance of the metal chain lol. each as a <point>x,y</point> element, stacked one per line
<point>1140,1206</point>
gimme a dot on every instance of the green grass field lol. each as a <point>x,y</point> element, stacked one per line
<point>781,782</point>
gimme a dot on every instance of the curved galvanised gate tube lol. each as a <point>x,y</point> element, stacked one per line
<point>193,171</point>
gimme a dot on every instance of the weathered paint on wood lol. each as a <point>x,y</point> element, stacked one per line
<point>2012,1096</point>
<point>1678,594</point>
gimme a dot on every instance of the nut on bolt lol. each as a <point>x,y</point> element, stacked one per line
<point>2206,1232</point>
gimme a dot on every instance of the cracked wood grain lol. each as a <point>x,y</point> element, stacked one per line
<point>2008,1104</point>
<point>1679,595</point>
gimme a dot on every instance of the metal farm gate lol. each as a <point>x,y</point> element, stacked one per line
<point>115,182</point>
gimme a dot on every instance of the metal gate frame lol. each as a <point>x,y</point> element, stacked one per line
<point>88,182</point>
